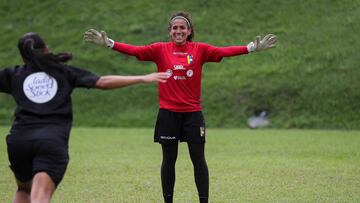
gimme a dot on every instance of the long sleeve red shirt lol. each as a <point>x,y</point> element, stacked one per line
<point>182,91</point>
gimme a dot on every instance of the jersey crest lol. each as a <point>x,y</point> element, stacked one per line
<point>189,59</point>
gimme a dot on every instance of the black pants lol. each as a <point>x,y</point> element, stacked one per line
<point>201,172</point>
<point>28,157</point>
<point>172,127</point>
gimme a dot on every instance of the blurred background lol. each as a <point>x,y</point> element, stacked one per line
<point>311,80</point>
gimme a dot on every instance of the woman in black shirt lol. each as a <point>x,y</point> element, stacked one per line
<point>38,140</point>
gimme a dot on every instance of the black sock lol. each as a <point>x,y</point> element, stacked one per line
<point>168,199</point>
<point>203,199</point>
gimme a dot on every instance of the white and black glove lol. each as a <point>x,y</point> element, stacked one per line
<point>269,41</point>
<point>99,38</point>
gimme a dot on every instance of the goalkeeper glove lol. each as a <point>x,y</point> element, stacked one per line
<point>259,44</point>
<point>99,38</point>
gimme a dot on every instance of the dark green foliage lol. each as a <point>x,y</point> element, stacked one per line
<point>310,80</point>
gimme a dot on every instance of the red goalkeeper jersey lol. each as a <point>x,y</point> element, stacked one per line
<point>182,91</point>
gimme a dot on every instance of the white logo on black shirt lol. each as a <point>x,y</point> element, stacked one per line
<point>40,87</point>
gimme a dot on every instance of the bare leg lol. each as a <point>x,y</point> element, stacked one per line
<point>22,194</point>
<point>42,188</point>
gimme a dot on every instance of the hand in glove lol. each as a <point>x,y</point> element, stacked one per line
<point>99,38</point>
<point>259,44</point>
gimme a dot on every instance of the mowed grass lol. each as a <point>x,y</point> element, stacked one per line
<point>123,165</point>
<point>310,80</point>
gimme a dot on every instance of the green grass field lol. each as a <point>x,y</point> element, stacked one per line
<point>123,165</point>
<point>309,81</point>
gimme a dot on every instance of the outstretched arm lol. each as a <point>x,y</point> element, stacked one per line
<point>215,54</point>
<point>117,81</point>
<point>101,38</point>
<point>269,41</point>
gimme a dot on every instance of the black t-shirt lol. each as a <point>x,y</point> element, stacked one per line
<point>43,100</point>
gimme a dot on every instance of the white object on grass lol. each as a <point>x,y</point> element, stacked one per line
<point>258,121</point>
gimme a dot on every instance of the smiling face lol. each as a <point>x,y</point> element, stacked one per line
<point>179,31</point>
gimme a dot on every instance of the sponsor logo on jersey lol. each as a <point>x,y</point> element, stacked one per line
<point>179,53</point>
<point>189,59</point>
<point>176,77</point>
<point>40,87</point>
<point>179,67</point>
<point>189,73</point>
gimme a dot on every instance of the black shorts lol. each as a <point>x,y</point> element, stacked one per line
<point>184,126</point>
<point>28,157</point>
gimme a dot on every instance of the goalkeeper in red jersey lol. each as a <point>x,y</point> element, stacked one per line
<point>180,115</point>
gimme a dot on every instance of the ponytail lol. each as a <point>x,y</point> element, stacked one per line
<point>34,51</point>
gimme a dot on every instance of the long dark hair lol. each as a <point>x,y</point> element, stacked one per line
<point>188,17</point>
<point>34,51</point>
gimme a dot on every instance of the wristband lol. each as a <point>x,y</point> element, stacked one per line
<point>251,47</point>
<point>110,43</point>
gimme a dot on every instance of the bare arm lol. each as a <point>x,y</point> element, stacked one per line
<point>117,81</point>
